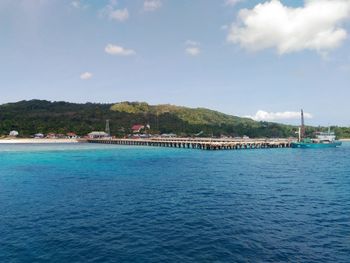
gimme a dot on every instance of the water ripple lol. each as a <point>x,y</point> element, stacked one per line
<point>125,204</point>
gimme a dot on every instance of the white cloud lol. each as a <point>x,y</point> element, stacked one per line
<point>119,50</point>
<point>79,4</point>
<point>112,13</point>
<point>192,43</point>
<point>315,26</point>
<point>193,51</point>
<point>86,76</point>
<point>119,14</point>
<point>75,4</point>
<point>152,5</point>
<point>278,116</point>
<point>233,2</point>
<point>192,48</point>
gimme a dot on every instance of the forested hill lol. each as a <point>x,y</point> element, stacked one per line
<point>39,116</point>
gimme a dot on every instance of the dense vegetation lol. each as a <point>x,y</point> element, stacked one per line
<point>37,116</point>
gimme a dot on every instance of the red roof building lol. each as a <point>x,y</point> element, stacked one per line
<point>72,135</point>
<point>137,128</point>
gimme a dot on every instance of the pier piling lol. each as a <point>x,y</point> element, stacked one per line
<point>200,143</point>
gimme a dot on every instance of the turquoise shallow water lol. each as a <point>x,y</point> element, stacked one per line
<point>97,203</point>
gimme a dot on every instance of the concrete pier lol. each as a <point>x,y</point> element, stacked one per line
<point>200,143</point>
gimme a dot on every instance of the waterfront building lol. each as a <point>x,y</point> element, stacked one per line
<point>39,136</point>
<point>51,135</point>
<point>137,128</point>
<point>13,133</point>
<point>168,135</point>
<point>98,135</point>
<point>71,135</point>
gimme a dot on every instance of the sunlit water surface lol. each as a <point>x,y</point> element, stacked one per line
<point>98,203</point>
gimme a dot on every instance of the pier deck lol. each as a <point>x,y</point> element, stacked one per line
<point>200,143</point>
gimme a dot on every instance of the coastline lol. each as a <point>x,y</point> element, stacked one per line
<point>36,141</point>
<point>344,140</point>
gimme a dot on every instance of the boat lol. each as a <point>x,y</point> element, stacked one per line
<point>308,143</point>
<point>322,140</point>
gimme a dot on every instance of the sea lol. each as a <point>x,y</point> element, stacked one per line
<point>106,203</point>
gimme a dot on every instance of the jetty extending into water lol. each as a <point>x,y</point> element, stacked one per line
<point>200,143</point>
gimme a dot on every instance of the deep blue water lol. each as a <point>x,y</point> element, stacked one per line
<point>92,203</point>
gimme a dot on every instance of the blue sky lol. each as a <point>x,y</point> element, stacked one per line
<point>198,53</point>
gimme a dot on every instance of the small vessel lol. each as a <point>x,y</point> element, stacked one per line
<point>322,140</point>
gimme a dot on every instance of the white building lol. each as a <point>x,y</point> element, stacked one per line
<point>39,136</point>
<point>13,133</point>
<point>98,135</point>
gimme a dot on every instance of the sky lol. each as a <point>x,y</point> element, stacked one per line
<point>262,59</point>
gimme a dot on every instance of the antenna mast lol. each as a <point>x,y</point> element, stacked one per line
<point>302,128</point>
<point>108,131</point>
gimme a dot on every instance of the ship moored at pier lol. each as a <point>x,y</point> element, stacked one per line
<point>322,140</point>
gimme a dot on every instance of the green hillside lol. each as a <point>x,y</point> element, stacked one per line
<point>30,117</point>
<point>196,116</point>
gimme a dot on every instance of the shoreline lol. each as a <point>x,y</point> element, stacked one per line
<point>37,141</point>
<point>344,140</point>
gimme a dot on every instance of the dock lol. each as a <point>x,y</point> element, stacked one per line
<point>200,143</point>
